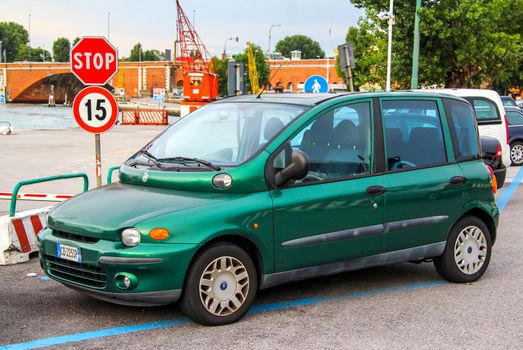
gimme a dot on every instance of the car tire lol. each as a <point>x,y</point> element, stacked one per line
<point>467,252</point>
<point>221,285</point>
<point>516,153</point>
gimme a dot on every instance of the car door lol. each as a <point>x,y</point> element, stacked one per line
<point>335,213</point>
<point>424,186</point>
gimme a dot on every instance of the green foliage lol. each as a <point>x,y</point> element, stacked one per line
<point>34,54</point>
<point>261,66</point>
<point>308,47</point>
<point>466,43</point>
<point>13,37</point>
<point>61,49</point>
<point>220,65</point>
<point>75,41</point>
<point>138,54</point>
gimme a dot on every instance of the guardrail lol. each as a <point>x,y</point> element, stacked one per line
<point>18,186</point>
<point>110,173</point>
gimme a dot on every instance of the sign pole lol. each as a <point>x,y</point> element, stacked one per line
<point>97,150</point>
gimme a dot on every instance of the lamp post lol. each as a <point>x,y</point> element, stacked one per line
<point>270,36</point>
<point>389,49</point>
<point>415,53</point>
<point>29,37</point>
<point>108,25</point>
<point>0,51</point>
<point>225,45</point>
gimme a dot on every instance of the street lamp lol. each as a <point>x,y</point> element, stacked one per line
<point>225,45</point>
<point>29,51</point>
<point>390,17</point>
<point>270,31</point>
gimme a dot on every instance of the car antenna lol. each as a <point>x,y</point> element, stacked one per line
<point>259,95</point>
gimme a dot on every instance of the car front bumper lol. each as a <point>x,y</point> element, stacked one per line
<point>157,270</point>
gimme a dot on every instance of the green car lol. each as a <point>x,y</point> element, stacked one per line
<point>255,191</point>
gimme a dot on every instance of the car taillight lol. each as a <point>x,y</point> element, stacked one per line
<point>498,152</point>
<point>506,129</point>
<point>493,180</point>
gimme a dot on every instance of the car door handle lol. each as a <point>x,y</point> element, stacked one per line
<point>375,190</point>
<point>458,180</point>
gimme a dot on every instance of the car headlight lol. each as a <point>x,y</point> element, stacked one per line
<point>131,237</point>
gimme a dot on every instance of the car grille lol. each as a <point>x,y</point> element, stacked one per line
<point>71,271</point>
<point>75,237</point>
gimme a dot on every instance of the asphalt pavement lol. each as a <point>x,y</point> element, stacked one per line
<point>401,306</point>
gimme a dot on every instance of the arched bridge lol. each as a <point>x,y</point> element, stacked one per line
<point>31,82</point>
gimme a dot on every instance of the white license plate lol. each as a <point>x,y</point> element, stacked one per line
<point>68,252</point>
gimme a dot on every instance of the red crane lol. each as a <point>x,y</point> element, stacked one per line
<point>200,82</point>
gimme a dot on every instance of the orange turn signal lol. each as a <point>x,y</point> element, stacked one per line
<point>159,233</point>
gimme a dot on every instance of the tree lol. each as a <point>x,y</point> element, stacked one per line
<point>75,41</point>
<point>466,43</point>
<point>37,54</point>
<point>261,66</point>
<point>370,55</point>
<point>308,47</point>
<point>221,66</point>
<point>13,36</point>
<point>61,49</point>
<point>138,54</point>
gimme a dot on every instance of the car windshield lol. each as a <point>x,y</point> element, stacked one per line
<point>222,134</point>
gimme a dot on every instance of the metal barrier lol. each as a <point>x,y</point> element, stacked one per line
<point>16,189</point>
<point>145,117</point>
<point>18,231</point>
<point>110,173</point>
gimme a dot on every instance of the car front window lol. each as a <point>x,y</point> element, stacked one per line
<point>224,134</point>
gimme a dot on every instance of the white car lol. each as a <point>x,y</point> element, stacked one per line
<point>490,113</point>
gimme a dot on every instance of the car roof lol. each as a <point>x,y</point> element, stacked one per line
<point>310,99</point>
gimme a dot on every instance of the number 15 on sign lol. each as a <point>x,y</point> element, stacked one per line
<point>95,110</point>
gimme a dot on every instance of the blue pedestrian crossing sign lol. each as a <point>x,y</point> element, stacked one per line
<point>316,84</point>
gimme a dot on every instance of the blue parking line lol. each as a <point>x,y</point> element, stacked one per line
<point>509,191</point>
<point>71,338</point>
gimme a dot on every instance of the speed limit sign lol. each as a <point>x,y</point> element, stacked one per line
<point>95,109</point>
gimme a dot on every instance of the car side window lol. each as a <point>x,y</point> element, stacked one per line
<point>338,144</point>
<point>413,134</point>
<point>515,118</point>
<point>463,128</point>
<point>486,110</point>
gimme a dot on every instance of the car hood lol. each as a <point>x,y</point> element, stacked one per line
<point>105,211</point>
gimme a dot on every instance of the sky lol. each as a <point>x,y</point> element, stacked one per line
<point>153,22</point>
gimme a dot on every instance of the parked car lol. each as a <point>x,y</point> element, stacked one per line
<point>490,115</point>
<point>251,192</point>
<point>491,149</point>
<point>515,130</point>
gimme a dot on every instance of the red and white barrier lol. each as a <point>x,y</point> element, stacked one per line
<point>44,197</point>
<point>145,117</point>
<point>18,235</point>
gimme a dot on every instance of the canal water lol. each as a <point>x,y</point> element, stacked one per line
<point>33,117</point>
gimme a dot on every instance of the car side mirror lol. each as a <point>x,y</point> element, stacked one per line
<point>297,169</point>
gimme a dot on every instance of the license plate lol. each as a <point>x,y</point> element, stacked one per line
<point>68,252</point>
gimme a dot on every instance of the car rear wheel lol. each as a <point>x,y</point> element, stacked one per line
<point>516,153</point>
<point>467,253</point>
<point>220,286</point>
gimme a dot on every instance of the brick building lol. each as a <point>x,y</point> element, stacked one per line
<point>290,75</point>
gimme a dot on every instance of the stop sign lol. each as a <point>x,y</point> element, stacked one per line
<point>94,60</point>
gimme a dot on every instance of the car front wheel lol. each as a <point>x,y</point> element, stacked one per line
<point>467,252</point>
<point>220,286</point>
<point>516,153</point>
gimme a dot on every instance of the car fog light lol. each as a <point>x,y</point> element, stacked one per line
<point>125,281</point>
<point>131,237</point>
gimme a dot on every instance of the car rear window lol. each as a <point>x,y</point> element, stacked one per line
<point>486,110</point>
<point>463,129</point>
<point>515,118</point>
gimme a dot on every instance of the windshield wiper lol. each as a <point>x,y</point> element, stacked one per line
<point>182,159</point>
<point>150,157</point>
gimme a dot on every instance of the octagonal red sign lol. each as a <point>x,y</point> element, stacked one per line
<point>94,60</point>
